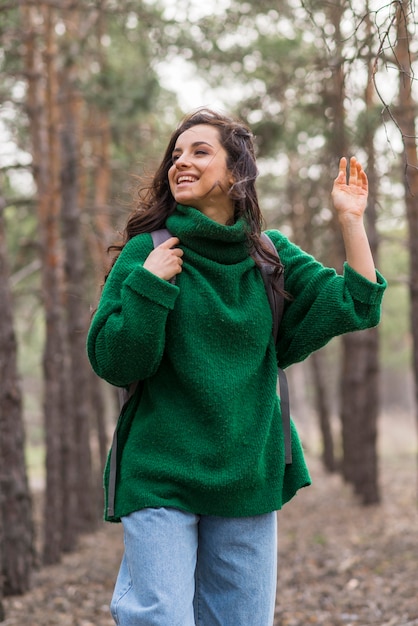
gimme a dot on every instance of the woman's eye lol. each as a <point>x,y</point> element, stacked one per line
<point>175,157</point>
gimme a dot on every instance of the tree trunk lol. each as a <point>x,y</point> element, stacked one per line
<point>2,612</point>
<point>323,409</point>
<point>77,313</point>
<point>42,104</point>
<point>54,352</point>
<point>406,120</point>
<point>101,233</point>
<point>17,545</point>
<point>359,409</point>
<point>359,385</point>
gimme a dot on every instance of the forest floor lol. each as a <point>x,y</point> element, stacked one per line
<point>340,564</point>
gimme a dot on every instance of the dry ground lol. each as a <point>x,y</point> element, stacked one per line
<point>340,564</point>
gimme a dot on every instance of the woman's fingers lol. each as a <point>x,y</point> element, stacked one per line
<point>165,261</point>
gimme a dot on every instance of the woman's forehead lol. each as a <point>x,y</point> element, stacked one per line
<point>200,132</point>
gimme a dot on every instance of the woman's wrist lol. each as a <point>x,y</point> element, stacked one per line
<point>349,223</point>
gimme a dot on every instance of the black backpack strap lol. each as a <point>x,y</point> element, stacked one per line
<point>285,408</point>
<point>276,300</point>
<point>113,461</point>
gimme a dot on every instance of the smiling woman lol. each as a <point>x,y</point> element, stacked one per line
<point>201,468</point>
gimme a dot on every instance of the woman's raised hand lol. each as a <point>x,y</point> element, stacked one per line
<point>350,197</point>
<point>165,261</point>
<point>350,200</point>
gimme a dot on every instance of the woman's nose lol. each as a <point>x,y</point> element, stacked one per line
<point>182,161</point>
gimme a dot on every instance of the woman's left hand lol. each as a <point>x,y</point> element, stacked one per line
<point>350,198</point>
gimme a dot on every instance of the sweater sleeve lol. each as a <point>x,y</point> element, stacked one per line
<point>127,333</point>
<point>323,304</point>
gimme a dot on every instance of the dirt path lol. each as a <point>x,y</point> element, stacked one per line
<point>339,564</point>
<point>342,564</point>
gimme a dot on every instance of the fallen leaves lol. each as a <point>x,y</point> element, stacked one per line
<point>365,569</point>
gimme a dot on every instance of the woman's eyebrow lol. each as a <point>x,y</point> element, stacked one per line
<point>195,144</point>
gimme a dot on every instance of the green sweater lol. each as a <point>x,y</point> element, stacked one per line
<point>205,433</point>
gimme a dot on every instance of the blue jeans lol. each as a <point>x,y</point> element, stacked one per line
<point>181,569</point>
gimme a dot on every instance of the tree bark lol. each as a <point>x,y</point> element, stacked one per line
<point>323,409</point>
<point>77,313</point>
<point>17,541</point>
<point>2,612</point>
<point>43,113</point>
<point>359,409</point>
<point>405,117</point>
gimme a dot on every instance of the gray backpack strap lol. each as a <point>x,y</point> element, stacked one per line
<point>159,236</point>
<point>276,300</point>
<point>125,394</point>
<point>275,296</point>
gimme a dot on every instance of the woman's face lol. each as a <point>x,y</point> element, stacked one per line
<point>199,176</point>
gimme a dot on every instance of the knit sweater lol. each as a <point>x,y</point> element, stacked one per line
<point>204,434</point>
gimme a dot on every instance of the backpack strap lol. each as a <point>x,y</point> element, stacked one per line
<point>159,236</point>
<point>275,296</point>
<point>125,394</point>
<point>113,458</point>
<point>276,300</point>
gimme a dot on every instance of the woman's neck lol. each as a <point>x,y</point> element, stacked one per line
<point>220,214</point>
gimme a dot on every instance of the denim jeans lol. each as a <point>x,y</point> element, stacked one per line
<point>181,569</point>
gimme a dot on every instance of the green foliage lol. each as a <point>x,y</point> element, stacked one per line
<point>10,57</point>
<point>120,79</point>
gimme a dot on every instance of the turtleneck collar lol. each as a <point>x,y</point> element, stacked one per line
<point>196,231</point>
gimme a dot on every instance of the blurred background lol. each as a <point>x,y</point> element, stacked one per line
<point>90,91</point>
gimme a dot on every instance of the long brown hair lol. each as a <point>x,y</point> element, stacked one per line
<point>155,202</point>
